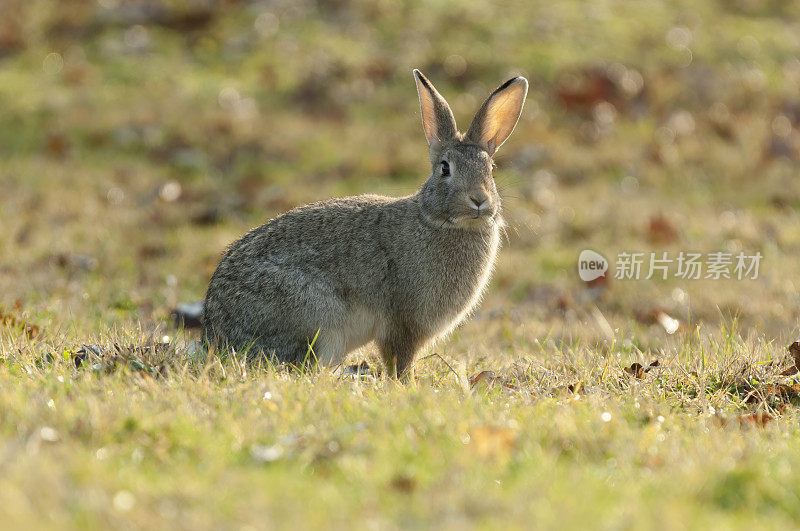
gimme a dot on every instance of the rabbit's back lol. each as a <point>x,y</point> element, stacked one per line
<point>338,237</point>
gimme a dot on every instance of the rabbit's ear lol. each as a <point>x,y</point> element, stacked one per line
<point>437,118</point>
<point>498,115</point>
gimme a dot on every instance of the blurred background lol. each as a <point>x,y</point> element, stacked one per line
<point>139,138</point>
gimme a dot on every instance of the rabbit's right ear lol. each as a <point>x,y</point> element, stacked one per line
<point>437,118</point>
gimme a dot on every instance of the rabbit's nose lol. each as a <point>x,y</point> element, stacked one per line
<point>479,202</point>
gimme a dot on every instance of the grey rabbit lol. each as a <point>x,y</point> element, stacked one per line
<point>326,278</point>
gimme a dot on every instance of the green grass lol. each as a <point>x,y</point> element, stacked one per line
<point>131,156</point>
<point>213,444</point>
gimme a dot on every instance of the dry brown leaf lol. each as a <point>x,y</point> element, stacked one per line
<point>574,388</point>
<point>581,89</point>
<point>151,250</point>
<point>57,145</point>
<point>661,230</point>
<point>755,419</point>
<point>481,377</point>
<point>794,350</point>
<point>30,330</point>
<point>638,371</point>
<point>404,483</point>
<point>489,378</point>
<point>771,392</point>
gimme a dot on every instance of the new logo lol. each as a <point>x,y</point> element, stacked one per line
<point>591,265</point>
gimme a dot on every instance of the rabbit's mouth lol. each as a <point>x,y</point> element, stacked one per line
<point>473,221</point>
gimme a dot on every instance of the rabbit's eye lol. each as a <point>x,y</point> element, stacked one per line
<point>445,168</point>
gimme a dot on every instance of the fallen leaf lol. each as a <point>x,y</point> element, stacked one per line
<point>794,350</point>
<point>575,388</point>
<point>30,330</point>
<point>772,392</point>
<point>11,33</point>
<point>490,380</point>
<point>404,483</point>
<point>781,201</point>
<point>73,262</point>
<point>638,371</point>
<point>661,230</point>
<point>564,303</point>
<point>582,89</point>
<point>57,145</point>
<point>147,360</point>
<point>482,376</point>
<point>151,250</point>
<point>755,419</point>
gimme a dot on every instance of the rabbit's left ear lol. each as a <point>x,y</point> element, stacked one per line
<point>498,115</point>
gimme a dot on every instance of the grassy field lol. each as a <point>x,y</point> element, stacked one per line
<point>138,139</point>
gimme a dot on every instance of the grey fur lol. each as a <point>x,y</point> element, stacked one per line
<point>399,271</point>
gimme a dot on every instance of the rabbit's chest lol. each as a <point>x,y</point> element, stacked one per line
<point>462,277</point>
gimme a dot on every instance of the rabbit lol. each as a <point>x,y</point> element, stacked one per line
<point>327,278</point>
